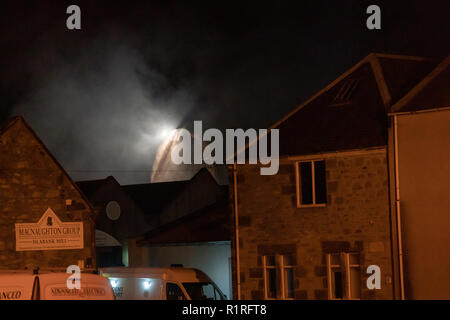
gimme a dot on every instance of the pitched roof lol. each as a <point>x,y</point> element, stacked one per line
<point>19,119</point>
<point>90,187</point>
<point>208,224</point>
<point>154,197</point>
<point>430,93</point>
<point>350,113</point>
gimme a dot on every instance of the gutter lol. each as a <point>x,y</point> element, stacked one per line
<point>236,227</point>
<point>398,216</point>
<point>432,109</point>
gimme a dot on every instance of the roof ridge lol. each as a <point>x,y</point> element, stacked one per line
<point>154,183</point>
<point>443,65</point>
<point>90,181</point>
<point>378,74</point>
<point>399,56</point>
<point>9,122</point>
<point>373,59</point>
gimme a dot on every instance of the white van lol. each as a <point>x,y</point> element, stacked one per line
<point>25,285</point>
<point>161,284</point>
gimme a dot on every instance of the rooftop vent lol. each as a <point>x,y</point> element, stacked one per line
<point>346,91</point>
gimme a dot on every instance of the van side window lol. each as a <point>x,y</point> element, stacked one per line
<point>173,292</point>
<point>202,291</point>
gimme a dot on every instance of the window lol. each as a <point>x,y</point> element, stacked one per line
<point>202,291</point>
<point>173,292</point>
<point>279,276</point>
<point>311,183</point>
<point>270,277</point>
<point>287,265</point>
<point>344,275</point>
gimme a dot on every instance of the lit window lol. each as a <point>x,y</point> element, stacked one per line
<point>344,275</point>
<point>311,183</point>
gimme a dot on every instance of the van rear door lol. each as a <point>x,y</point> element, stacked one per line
<point>15,286</point>
<point>92,287</point>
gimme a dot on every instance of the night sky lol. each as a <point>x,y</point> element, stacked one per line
<point>98,96</point>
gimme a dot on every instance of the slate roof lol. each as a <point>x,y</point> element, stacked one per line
<point>154,197</point>
<point>151,198</point>
<point>209,224</point>
<point>431,93</point>
<point>90,187</point>
<point>351,112</point>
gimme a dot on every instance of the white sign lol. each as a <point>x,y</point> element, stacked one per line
<point>49,233</point>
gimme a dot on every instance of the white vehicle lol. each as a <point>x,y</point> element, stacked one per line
<point>161,284</point>
<point>25,285</point>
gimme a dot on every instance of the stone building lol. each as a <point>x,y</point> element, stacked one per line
<point>160,224</point>
<point>119,219</point>
<point>45,221</point>
<point>193,226</point>
<point>312,230</point>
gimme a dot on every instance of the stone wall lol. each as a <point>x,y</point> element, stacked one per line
<point>30,182</point>
<point>355,218</point>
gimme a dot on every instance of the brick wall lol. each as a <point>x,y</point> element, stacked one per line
<point>355,218</point>
<point>31,182</point>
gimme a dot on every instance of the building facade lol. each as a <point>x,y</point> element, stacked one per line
<point>119,219</point>
<point>194,227</point>
<point>324,224</point>
<point>165,223</point>
<point>45,221</point>
<point>294,251</point>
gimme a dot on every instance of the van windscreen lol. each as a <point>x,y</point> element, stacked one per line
<point>202,291</point>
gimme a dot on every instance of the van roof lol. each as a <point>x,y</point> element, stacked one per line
<point>171,274</point>
<point>41,271</point>
<point>8,272</point>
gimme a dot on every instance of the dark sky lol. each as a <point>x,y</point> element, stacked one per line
<point>98,97</point>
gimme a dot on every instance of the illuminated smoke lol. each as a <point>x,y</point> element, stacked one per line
<point>101,112</point>
<point>165,170</point>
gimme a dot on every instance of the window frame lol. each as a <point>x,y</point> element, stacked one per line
<point>313,178</point>
<point>180,287</point>
<point>266,279</point>
<point>284,288</point>
<point>346,270</point>
<point>279,265</point>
